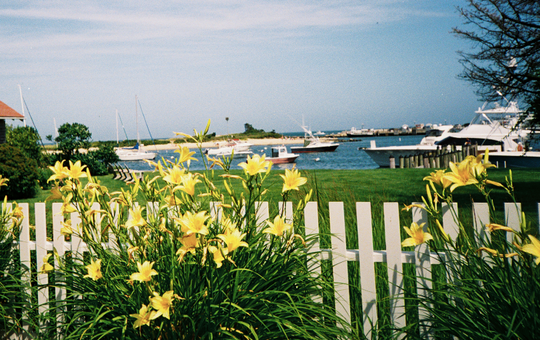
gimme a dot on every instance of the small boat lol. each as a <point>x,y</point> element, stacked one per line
<point>280,155</point>
<point>360,133</point>
<point>313,144</point>
<point>319,133</point>
<point>135,153</point>
<point>228,148</point>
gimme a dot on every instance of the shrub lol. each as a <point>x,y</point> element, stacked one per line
<point>21,171</point>
<point>196,264</point>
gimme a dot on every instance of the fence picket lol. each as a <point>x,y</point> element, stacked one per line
<point>59,244</point>
<point>367,266</point>
<point>311,221</point>
<point>339,260</point>
<point>393,260</point>
<point>481,219</point>
<point>512,213</point>
<point>422,260</point>
<point>41,252</point>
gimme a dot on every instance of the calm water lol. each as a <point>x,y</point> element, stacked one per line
<point>347,156</point>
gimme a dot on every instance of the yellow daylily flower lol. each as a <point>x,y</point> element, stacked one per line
<point>233,239</point>
<point>194,223</point>
<point>417,235</point>
<point>3,181</point>
<point>162,304</point>
<point>479,164</point>
<point>494,252</point>
<point>218,255</point>
<point>66,228</point>
<point>278,227</point>
<point>94,270</point>
<point>174,175</point>
<point>67,207</point>
<point>494,226</point>
<point>461,174</point>
<point>59,171</point>
<point>145,272</point>
<point>188,184</point>
<point>76,170</point>
<point>46,266</point>
<point>438,177</point>
<point>533,248</point>
<point>55,194</point>
<point>17,211</point>
<point>143,318</point>
<point>256,164</point>
<point>136,219</point>
<point>292,180</point>
<point>185,154</point>
<point>189,244</point>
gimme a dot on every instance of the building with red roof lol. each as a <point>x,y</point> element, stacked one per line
<point>7,112</point>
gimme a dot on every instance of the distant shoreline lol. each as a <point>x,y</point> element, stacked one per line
<point>213,144</point>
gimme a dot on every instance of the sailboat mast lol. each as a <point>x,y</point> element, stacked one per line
<point>137,118</point>
<point>22,104</point>
<point>117,138</point>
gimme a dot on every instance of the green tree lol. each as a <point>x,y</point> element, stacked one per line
<point>506,47</point>
<point>22,172</point>
<point>71,138</point>
<point>27,139</point>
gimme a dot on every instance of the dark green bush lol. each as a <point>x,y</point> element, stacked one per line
<point>21,171</point>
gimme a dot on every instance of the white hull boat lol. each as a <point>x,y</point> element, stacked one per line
<point>233,147</point>
<point>280,155</point>
<point>313,144</point>
<point>136,153</point>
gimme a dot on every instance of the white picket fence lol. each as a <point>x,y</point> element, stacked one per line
<point>365,255</point>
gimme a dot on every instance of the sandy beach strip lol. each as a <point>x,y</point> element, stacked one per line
<point>213,144</point>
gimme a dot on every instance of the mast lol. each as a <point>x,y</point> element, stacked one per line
<point>22,105</point>
<point>117,138</point>
<point>137,118</point>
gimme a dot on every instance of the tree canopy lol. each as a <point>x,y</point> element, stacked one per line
<point>505,59</point>
<point>27,139</point>
<point>72,137</point>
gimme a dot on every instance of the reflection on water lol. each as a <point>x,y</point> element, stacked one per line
<point>347,156</point>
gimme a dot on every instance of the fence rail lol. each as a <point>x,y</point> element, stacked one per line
<point>365,256</point>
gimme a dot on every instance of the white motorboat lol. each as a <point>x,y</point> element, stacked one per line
<point>280,155</point>
<point>494,128</point>
<point>313,144</point>
<point>381,155</point>
<point>232,147</point>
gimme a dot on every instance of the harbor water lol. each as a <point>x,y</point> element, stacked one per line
<point>348,156</point>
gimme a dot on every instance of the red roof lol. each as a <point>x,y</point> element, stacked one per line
<point>7,112</point>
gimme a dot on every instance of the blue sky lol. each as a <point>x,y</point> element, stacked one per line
<point>336,64</point>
